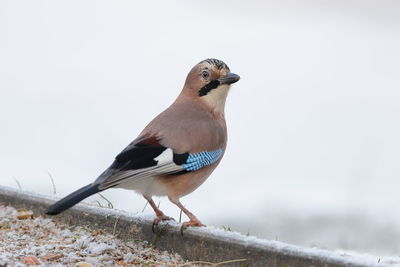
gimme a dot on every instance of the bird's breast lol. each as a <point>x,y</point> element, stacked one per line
<point>183,184</point>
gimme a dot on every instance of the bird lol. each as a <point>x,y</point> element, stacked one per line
<point>177,151</point>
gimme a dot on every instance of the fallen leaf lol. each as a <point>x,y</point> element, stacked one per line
<point>31,260</point>
<point>123,263</point>
<point>5,225</point>
<point>24,214</point>
<point>97,232</point>
<point>25,228</point>
<point>84,264</point>
<point>52,256</point>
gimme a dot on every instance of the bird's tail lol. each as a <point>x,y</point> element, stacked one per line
<point>72,199</point>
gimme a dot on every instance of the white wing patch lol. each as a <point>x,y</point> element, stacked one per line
<point>164,166</point>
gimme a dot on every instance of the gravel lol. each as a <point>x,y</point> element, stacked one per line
<point>29,240</point>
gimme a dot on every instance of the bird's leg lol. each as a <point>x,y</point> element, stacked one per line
<point>160,215</point>
<point>193,220</point>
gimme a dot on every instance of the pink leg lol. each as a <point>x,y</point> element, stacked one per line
<point>160,215</point>
<point>193,220</point>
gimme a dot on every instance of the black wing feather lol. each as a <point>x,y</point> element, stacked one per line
<point>137,155</point>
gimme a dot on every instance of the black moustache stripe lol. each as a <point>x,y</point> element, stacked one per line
<point>208,87</point>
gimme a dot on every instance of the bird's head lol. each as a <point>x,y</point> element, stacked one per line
<point>209,81</point>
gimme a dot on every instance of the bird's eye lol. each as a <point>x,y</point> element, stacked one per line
<point>205,75</point>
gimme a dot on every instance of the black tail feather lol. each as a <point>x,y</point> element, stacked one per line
<point>72,199</point>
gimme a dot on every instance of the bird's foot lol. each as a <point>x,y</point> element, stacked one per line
<point>160,218</point>
<point>194,222</point>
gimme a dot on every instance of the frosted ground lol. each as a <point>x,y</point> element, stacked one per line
<point>313,147</point>
<point>29,240</point>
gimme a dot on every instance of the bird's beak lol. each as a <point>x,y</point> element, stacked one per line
<point>229,78</point>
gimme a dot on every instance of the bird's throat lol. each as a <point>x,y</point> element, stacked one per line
<point>216,99</point>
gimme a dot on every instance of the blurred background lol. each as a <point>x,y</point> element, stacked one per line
<point>313,153</point>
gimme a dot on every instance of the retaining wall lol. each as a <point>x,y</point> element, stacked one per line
<point>205,243</point>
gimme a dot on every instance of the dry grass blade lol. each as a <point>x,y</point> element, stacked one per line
<point>109,204</point>
<point>115,226</point>
<point>53,242</point>
<point>52,181</point>
<point>145,206</point>
<point>180,216</point>
<point>19,185</point>
<point>212,263</point>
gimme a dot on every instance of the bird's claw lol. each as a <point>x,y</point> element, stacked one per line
<point>159,219</point>
<point>191,223</point>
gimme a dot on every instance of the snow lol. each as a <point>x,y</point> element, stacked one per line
<point>98,248</point>
<point>342,256</point>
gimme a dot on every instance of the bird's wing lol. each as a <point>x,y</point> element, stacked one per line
<point>145,157</point>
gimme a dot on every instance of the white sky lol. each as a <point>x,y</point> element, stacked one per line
<point>313,123</point>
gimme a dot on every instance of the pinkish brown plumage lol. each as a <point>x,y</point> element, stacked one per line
<point>178,150</point>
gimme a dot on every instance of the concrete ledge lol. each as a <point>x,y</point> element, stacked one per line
<point>205,244</point>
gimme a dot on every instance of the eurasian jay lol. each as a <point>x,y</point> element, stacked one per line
<point>177,151</point>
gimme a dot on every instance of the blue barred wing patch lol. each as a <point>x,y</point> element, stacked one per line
<point>197,161</point>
